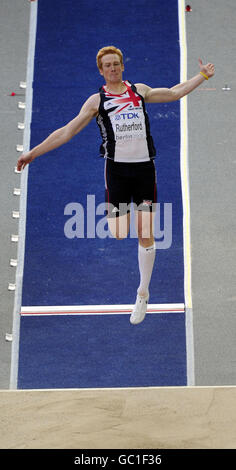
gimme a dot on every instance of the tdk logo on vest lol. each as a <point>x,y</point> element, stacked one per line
<point>127,116</point>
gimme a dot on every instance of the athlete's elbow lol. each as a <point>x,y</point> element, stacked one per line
<point>174,95</point>
<point>66,134</point>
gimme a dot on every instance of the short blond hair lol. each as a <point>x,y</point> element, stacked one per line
<point>108,50</point>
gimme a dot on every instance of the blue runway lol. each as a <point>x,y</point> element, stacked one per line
<point>99,350</point>
<point>102,351</point>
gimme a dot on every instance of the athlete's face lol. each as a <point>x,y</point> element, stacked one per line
<point>111,68</point>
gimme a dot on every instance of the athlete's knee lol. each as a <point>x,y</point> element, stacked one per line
<point>145,233</point>
<point>144,226</point>
<point>146,242</point>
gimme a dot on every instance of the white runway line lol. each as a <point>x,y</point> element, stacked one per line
<point>186,198</point>
<point>98,309</point>
<point>23,199</point>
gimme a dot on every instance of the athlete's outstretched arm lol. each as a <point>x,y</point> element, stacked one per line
<point>64,134</point>
<point>165,95</point>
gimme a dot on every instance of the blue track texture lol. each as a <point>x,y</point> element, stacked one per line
<point>102,351</point>
<point>99,350</point>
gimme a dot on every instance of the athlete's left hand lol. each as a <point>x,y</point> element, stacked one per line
<point>208,69</point>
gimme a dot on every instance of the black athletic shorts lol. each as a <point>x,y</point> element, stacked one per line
<point>126,182</point>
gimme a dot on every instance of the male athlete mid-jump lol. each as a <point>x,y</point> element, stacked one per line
<point>129,152</point>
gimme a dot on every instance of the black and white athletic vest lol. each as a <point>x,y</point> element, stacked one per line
<point>124,126</point>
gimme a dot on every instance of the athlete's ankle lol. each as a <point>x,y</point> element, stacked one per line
<point>142,293</point>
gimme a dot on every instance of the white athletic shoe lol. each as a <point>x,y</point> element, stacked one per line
<point>139,310</point>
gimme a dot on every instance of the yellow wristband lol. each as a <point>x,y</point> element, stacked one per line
<point>204,75</point>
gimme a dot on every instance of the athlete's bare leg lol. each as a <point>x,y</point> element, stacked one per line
<point>144,221</point>
<point>119,226</point>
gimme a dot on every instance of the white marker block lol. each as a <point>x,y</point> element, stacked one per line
<point>13,262</point>
<point>21,105</point>
<point>11,286</point>
<point>8,337</point>
<point>226,88</point>
<point>16,191</point>
<point>15,238</point>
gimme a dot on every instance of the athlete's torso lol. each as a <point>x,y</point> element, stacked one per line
<point>124,126</point>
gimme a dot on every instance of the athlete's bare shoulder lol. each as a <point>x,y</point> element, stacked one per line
<point>94,100</point>
<point>142,89</point>
<point>92,104</point>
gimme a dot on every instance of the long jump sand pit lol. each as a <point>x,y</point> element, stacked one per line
<point>133,418</point>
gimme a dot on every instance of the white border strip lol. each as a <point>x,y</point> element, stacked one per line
<point>186,198</point>
<point>23,199</point>
<point>30,391</point>
<point>98,309</point>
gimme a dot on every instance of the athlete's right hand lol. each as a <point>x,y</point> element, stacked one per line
<point>24,160</point>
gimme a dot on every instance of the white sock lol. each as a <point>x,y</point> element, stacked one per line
<point>146,258</point>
